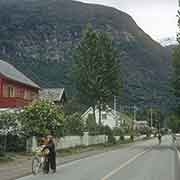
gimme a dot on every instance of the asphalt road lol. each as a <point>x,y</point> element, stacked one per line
<point>142,161</point>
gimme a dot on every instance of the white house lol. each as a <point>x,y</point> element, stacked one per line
<point>140,124</point>
<point>108,117</point>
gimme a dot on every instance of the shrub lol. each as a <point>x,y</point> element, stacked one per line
<point>12,143</point>
<point>122,137</point>
<point>118,131</point>
<point>74,125</point>
<point>16,143</point>
<point>108,131</point>
<point>41,118</point>
<point>9,126</point>
<point>91,125</point>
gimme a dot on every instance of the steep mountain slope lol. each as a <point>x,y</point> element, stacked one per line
<point>38,36</point>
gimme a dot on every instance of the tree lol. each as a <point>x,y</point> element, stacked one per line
<point>176,64</point>
<point>175,124</point>
<point>157,116</point>
<point>8,125</point>
<point>41,118</point>
<point>96,69</point>
<point>74,125</point>
<point>91,125</point>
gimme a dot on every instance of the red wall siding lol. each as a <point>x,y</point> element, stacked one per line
<point>19,99</point>
<point>1,86</point>
<point>13,102</point>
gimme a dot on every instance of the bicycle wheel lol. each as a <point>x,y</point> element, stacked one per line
<point>36,164</point>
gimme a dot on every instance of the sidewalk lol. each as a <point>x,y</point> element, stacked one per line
<point>22,165</point>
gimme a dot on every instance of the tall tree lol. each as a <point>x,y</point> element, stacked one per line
<point>176,64</point>
<point>174,122</point>
<point>96,69</point>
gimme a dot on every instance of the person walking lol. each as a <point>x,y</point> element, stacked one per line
<point>159,138</point>
<point>51,161</point>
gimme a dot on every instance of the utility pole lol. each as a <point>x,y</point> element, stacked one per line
<point>115,110</point>
<point>135,113</point>
<point>134,119</point>
<point>151,118</point>
<point>120,110</point>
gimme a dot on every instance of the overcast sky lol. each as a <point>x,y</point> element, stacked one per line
<point>155,17</point>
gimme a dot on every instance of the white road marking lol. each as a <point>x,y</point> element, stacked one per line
<point>87,158</point>
<point>75,162</point>
<point>123,165</point>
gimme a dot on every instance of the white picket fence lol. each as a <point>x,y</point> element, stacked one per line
<point>70,141</point>
<point>74,141</point>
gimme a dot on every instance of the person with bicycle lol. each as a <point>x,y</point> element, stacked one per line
<point>51,157</point>
<point>40,159</point>
<point>45,152</point>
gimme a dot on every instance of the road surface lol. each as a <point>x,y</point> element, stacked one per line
<point>142,161</point>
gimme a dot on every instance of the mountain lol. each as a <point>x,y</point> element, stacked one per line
<point>38,37</point>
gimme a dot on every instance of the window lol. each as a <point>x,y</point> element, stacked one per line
<point>10,91</point>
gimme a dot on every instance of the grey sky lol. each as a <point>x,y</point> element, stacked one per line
<point>155,17</point>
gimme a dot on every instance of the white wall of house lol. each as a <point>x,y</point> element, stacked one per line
<point>107,117</point>
<point>140,124</point>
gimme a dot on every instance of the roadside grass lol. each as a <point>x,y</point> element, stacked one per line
<point>7,157</point>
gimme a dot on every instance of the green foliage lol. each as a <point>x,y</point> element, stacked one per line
<point>9,122</point>
<point>9,126</point>
<point>74,125</point>
<point>157,116</point>
<point>40,34</point>
<point>174,123</point>
<point>96,68</point>
<point>109,132</point>
<point>91,125</point>
<point>73,105</point>
<point>14,143</point>
<point>176,72</point>
<point>41,118</point>
<point>118,131</point>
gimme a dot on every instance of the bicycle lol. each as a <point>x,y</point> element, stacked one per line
<point>38,161</point>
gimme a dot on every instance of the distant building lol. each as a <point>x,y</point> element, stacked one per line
<point>140,124</point>
<point>109,117</point>
<point>16,90</point>
<point>56,95</point>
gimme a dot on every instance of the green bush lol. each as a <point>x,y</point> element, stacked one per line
<point>132,137</point>
<point>109,132</point>
<point>14,143</point>
<point>91,125</point>
<point>74,125</point>
<point>122,137</point>
<point>118,131</point>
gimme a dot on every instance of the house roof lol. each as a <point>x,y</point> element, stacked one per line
<point>109,110</point>
<point>52,94</point>
<point>10,72</point>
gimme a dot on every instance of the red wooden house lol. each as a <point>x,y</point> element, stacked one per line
<point>16,90</point>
